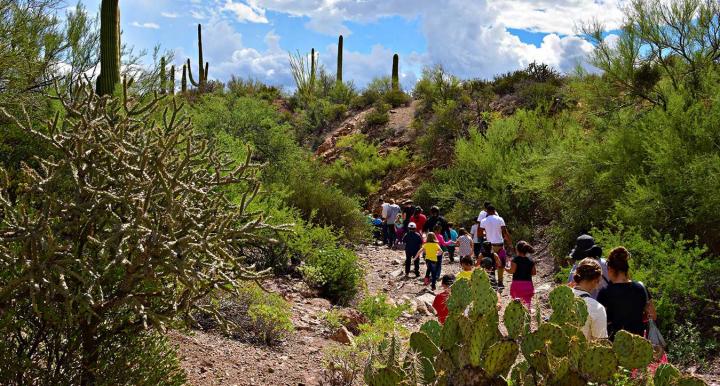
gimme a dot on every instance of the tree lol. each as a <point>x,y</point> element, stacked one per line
<point>123,230</point>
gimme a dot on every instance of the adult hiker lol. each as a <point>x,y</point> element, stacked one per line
<point>408,210</point>
<point>484,213</point>
<point>413,242</point>
<point>587,277</point>
<point>477,242</point>
<point>585,247</point>
<point>436,219</point>
<point>433,253</point>
<point>627,302</point>
<point>391,216</point>
<point>419,219</point>
<point>522,268</point>
<point>493,229</point>
<point>384,205</point>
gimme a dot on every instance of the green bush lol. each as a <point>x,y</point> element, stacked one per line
<point>378,116</point>
<point>342,93</point>
<point>377,307</point>
<point>271,319</point>
<point>678,273</point>
<point>359,170</point>
<point>396,98</point>
<point>332,269</point>
<point>687,346</point>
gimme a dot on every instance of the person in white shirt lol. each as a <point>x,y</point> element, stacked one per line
<point>477,245</point>
<point>383,214</point>
<point>483,213</point>
<point>391,217</point>
<point>587,277</point>
<point>493,229</point>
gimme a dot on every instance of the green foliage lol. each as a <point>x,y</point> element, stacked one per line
<point>396,98</point>
<point>379,116</point>
<point>360,167</point>
<point>678,273</point>
<point>687,346</point>
<point>252,88</point>
<point>376,307</point>
<point>271,318</point>
<point>373,93</point>
<point>333,269</point>
<point>94,273</point>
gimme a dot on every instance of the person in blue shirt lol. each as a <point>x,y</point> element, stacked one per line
<point>453,241</point>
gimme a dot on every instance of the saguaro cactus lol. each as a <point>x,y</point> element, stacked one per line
<point>163,75</point>
<point>171,83</point>
<point>109,47</point>
<point>203,72</point>
<point>183,82</point>
<point>396,73</point>
<point>339,59</point>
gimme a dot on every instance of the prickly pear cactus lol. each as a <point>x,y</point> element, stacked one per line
<point>688,380</point>
<point>516,319</point>
<point>598,364</point>
<point>558,343</point>
<point>432,329</point>
<point>632,351</point>
<point>450,333</point>
<point>484,296</point>
<point>500,357</point>
<point>665,375</point>
<point>460,297</point>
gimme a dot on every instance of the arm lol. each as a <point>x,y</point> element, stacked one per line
<point>650,310</point>
<point>534,270</point>
<point>513,268</point>
<point>506,236</point>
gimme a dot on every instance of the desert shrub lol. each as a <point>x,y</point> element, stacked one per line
<point>335,112</point>
<point>378,306</point>
<point>435,86</point>
<point>342,93</point>
<point>536,94</point>
<point>373,93</point>
<point>360,168</point>
<point>255,315</point>
<point>396,98</point>
<point>678,273</point>
<point>94,273</point>
<point>688,347</point>
<point>507,83</point>
<point>378,116</point>
<point>342,365</point>
<point>252,88</point>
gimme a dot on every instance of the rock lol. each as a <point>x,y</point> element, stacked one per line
<point>397,262</point>
<point>543,288</point>
<point>426,298</point>
<point>319,302</point>
<point>397,273</point>
<point>342,335</point>
<point>271,370</point>
<point>352,319</point>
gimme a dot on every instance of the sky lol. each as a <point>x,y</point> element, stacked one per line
<point>469,38</point>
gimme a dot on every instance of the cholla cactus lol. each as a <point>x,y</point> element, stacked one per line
<point>469,348</point>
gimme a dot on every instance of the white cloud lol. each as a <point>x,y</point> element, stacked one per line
<point>169,15</point>
<point>199,15</point>
<point>147,25</point>
<point>556,16</point>
<point>244,13</point>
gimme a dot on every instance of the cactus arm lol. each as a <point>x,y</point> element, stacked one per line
<point>396,73</point>
<point>183,82</point>
<point>171,83</point>
<point>163,75</point>
<point>109,47</point>
<point>190,75</point>
<point>202,75</point>
<point>340,59</point>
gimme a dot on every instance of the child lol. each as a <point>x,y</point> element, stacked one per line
<point>464,244</point>
<point>432,250</point>
<point>399,232</point>
<point>466,263</point>
<point>377,227</point>
<point>413,242</point>
<point>440,302</point>
<point>491,261</point>
<point>453,240</point>
<point>523,269</point>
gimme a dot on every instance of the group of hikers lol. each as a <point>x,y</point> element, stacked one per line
<point>614,301</point>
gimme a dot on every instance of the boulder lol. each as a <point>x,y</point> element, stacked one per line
<point>342,335</point>
<point>352,319</point>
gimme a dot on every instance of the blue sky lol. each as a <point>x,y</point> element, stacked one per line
<point>470,38</point>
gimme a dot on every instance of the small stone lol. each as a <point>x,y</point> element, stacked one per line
<point>271,370</point>
<point>397,273</point>
<point>342,335</point>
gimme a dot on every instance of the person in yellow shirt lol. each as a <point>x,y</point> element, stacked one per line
<point>466,264</point>
<point>432,249</point>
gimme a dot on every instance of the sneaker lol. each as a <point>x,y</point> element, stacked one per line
<point>417,273</point>
<point>426,281</point>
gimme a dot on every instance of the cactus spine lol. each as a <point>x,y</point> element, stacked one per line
<point>109,47</point>
<point>396,73</point>
<point>339,59</point>
<point>163,75</point>
<point>202,68</point>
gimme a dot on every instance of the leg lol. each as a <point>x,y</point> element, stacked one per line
<point>417,267</point>
<point>451,254</point>
<point>408,259</point>
<point>435,271</point>
<point>391,235</point>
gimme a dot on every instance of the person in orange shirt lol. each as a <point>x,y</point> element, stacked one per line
<point>440,302</point>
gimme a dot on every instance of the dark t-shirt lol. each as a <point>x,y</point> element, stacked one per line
<point>413,242</point>
<point>523,271</point>
<point>432,222</point>
<point>625,305</point>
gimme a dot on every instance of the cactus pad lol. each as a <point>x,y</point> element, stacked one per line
<point>556,339</point>
<point>516,319</point>
<point>689,380</point>
<point>385,377</point>
<point>460,297</point>
<point>665,374</point>
<point>581,312</point>
<point>421,344</point>
<point>500,357</point>
<point>483,295</point>
<point>632,351</point>
<point>598,364</point>
<point>450,333</point>
<point>432,329</point>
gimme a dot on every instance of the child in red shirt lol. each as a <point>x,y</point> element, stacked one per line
<point>440,302</point>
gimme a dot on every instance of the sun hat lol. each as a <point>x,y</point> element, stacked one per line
<point>585,246</point>
<point>412,226</point>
